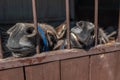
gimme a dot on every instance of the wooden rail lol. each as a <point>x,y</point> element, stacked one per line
<point>56,55</point>
<point>65,65</point>
<point>68,23</point>
<point>36,25</point>
<point>119,26</point>
<point>96,21</point>
<point>1,51</point>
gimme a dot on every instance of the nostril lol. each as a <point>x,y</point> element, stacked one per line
<point>29,30</point>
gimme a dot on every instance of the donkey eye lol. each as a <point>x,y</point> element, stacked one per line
<point>80,24</point>
<point>29,30</point>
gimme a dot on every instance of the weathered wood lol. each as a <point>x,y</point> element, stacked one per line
<point>75,69</point>
<point>1,50</point>
<point>12,74</point>
<point>105,66</point>
<point>48,71</point>
<point>117,73</point>
<point>68,22</point>
<point>96,21</point>
<point>119,26</point>
<point>55,55</point>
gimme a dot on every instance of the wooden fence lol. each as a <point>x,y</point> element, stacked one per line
<point>97,64</point>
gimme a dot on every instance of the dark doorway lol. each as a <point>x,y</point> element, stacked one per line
<point>108,11</point>
<point>84,10</point>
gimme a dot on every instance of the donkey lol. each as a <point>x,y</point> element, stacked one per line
<point>82,36</point>
<point>22,37</point>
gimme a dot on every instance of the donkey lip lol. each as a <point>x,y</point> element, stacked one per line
<point>21,49</point>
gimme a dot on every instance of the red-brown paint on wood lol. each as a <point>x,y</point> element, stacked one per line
<point>119,26</point>
<point>117,70</point>
<point>96,22</point>
<point>55,56</point>
<point>12,74</point>
<point>68,23</point>
<point>1,51</point>
<point>105,66</point>
<point>75,69</point>
<point>48,71</point>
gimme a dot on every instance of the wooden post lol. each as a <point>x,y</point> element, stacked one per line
<point>1,51</point>
<point>68,23</point>
<point>119,27</point>
<point>35,25</point>
<point>96,22</point>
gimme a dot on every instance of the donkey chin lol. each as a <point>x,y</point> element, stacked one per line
<point>23,53</point>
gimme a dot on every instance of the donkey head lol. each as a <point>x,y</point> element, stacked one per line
<point>21,39</point>
<point>81,34</point>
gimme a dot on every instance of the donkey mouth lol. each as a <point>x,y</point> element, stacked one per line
<point>21,49</point>
<point>22,52</point>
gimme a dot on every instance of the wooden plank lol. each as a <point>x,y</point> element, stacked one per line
<point>12,74</point>
<point>56,55</point>
<point>20,10</point>
<point>75,69</point>
<point>117,73</point>
<point>1,50</point>
<point>48,71</point>
<point>105,66</point>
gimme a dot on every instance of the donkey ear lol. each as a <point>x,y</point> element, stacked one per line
<point>61,29</point>
<point>13,28</point>
<point>58,28</point>
<point>51,37</point>
<point>59,44</point>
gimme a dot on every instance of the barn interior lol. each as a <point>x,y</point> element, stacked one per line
<point>108,11</point>
<point>53,12</point>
